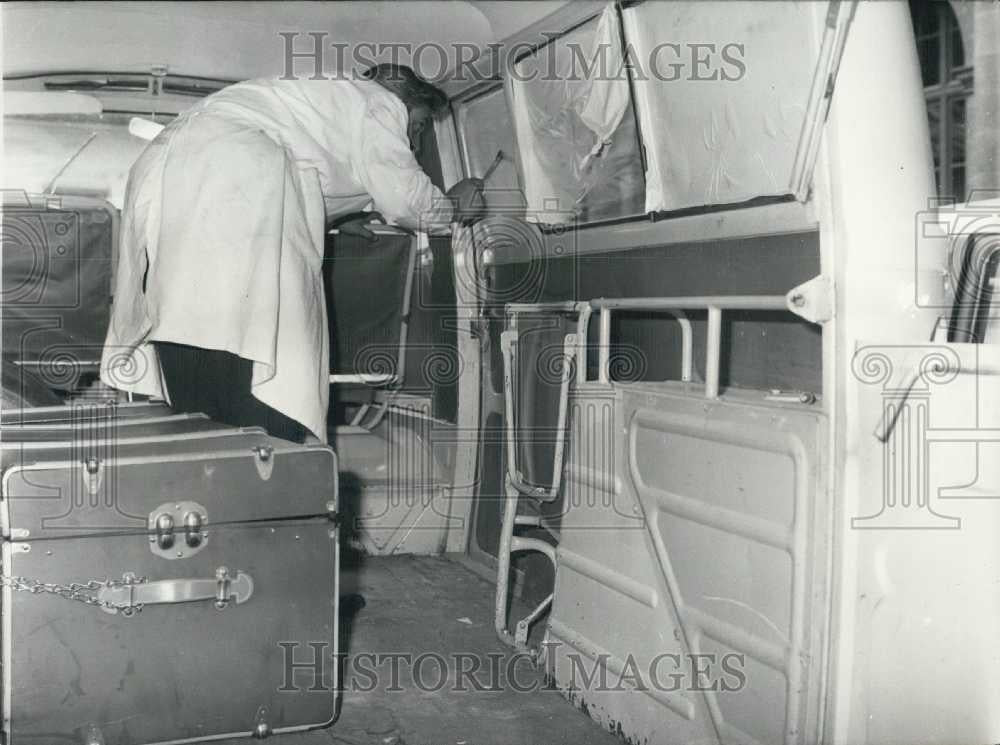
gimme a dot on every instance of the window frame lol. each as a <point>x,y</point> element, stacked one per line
<point>459,107</point>
<point>955,83</point>
<point>839,18</point>
<point>508,83</point>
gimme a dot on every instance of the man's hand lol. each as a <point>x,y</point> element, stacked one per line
<point>354,224</point>
<point>467,196</point>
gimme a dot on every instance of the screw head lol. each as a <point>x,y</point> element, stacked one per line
<point>262,731</point>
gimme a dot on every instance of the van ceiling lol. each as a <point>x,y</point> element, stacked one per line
<point>239,40</point>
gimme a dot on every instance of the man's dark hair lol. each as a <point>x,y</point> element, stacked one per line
<point>413,89</point>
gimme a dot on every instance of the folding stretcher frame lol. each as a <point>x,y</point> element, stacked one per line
<point>391,381</point>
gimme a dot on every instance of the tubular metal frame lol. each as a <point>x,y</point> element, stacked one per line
<point>575,353</point>
<point>394,380</point>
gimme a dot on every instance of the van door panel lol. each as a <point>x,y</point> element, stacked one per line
<point>687,529</point>
<point>612,610</point>
<point>731,491</point>
<point>923,562</point>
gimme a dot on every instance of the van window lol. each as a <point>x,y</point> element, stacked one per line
<point>576,129</point>
<point>485,128</point>
<point>722,91</point>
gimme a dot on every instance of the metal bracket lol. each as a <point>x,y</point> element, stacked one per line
<point>812,300</point>
<point>261,729</point>
<point>177,529</point>
<point>156,75</point>
<point>331,512</point>
<point>93,475</point>
<point>264,460</point>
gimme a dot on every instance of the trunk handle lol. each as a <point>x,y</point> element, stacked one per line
<point>132,595</point>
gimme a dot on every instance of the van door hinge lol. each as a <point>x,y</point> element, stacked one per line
<point>813,300</point>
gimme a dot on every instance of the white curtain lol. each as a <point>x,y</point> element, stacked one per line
<point>575,127</point>
<point>722,140</point>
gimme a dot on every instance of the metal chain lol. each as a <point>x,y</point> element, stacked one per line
<point>81,592</point>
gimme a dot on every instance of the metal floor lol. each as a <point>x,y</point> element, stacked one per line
<point>438,608</point>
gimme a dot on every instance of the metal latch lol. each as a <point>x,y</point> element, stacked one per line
<point>222,590</point>
<point>177,529</point>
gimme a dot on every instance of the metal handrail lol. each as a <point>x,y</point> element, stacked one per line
<point>714,304</point>
<point>693,302</point>
<point>576,345</point>
<point>675,306</point>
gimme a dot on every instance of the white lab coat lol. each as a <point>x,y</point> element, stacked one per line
<point>226,212</point>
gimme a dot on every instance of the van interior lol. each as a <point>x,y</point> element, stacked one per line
<point>594,451</point>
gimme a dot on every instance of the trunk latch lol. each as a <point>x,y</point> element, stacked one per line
<point>177,530</point>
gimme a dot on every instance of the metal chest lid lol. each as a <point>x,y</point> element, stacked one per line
<point>67,488</point>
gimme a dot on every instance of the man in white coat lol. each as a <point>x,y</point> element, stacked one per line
<point>219,303</point>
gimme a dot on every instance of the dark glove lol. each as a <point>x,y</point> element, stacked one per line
<point>354,224</point>
<point>467,197</point>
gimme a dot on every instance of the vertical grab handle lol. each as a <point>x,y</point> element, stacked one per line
<point>713,351</point>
